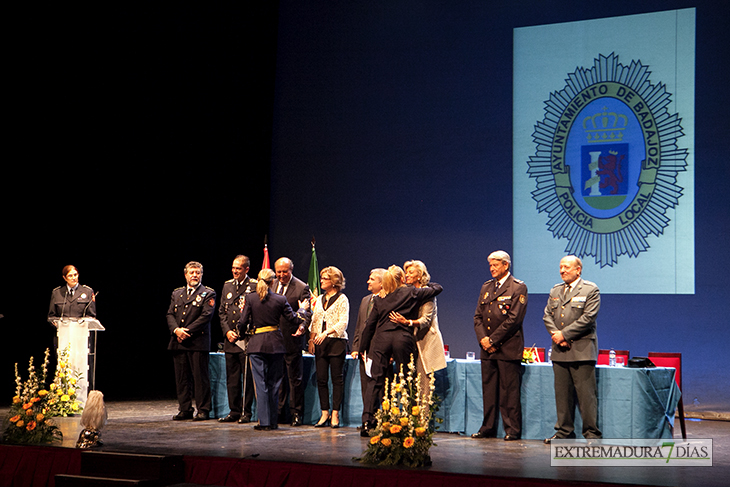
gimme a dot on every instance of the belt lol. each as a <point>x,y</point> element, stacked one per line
<point>265,329</point>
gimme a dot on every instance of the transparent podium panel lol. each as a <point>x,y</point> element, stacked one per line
<point>79,334</point>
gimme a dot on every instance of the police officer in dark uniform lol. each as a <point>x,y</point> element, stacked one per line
<point>233,299</point>
<point>498,325</point>
<point>188,319</point>
<point>73,300</point>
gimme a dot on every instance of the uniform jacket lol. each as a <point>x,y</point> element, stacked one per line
<point>405,300</point>
<point>193,312</point>
<point>575,315</point>
<point>295,292</point>
<point>499,315</point>
<point>232,301</point>
<point>79,305</point>
<point>269,313</point>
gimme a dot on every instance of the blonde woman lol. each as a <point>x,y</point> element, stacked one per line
<point>260,317</point>
<point>429,341</point>
<point>328,330</point>
<point>384,339</point>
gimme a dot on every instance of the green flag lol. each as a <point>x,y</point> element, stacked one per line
<point>314,274</point>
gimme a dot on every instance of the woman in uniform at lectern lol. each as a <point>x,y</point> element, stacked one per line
<point>72,300</point>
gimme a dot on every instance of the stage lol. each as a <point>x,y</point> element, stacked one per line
<point>210,449</point>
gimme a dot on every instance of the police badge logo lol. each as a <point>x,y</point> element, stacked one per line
<point>606,160</point>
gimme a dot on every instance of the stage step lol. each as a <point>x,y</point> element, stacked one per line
<point>121,469</point>
<point>64,480</point>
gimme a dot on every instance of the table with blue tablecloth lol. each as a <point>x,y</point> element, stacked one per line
<point>632,403</point>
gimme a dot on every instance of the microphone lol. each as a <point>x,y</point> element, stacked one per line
<point>93,299</point>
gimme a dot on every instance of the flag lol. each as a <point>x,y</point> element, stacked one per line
<point>266,264</point>
<point>313,280</point>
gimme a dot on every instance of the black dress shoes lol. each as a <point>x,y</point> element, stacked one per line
<point>183,415</point>
<point>366,428</point>
<point>244,419</point>
<point>557,436</point>
<point>201,416</point>
<point>483,434</point>
<point>511,437</point>
<point>259,427</point>
<point>296,420</point>
<point>231,418</point>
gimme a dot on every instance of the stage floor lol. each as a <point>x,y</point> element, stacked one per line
<point>146,427</point>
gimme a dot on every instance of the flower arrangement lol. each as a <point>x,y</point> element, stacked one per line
<point>28,421</point>
<point>405,423</point>
<point>63,401</point>
<point>530,355</point>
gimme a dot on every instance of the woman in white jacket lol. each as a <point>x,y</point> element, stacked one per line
<point>328,332</point>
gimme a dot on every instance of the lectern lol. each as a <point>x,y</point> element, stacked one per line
<point>80,334</point>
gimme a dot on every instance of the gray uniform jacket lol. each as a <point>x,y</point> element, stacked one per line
<point>575,315</point>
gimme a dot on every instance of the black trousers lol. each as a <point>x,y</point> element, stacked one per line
<point>329,358</point>
<point>239,383</point>
<point>501,381</point>
<point>293,383</point>
<point>192,379</point>
<point>396,344</point>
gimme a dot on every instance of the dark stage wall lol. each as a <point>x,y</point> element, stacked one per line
<point>143,139</point>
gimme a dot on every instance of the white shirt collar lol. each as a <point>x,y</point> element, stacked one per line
<point>501,281</point>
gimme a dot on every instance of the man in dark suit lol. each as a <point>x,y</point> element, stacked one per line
<point>570,318</point>
<point>188,319</point>
<point>294,290</point>
<point>238,368</point>
<point>498,325</point>
<point>375,284</point>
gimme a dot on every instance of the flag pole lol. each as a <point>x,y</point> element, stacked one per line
<point>266,264</point>
<point>313,280</point>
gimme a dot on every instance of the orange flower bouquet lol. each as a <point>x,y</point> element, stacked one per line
<point>405,423</point>
<point>28,421</point>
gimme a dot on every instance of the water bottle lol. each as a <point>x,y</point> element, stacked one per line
<point>612,358</point>
<point>550,355</point>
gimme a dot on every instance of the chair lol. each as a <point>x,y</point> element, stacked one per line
<point>603,356</point>
<point>540,352</point>
<point>674,360</point>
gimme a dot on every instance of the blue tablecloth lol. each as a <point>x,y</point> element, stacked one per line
<point>632,403</point>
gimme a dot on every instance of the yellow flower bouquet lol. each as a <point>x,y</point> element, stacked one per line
<point>28,421</point>
<point>530,355</point>
<point>63,401</point>
<point>405,423</point>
